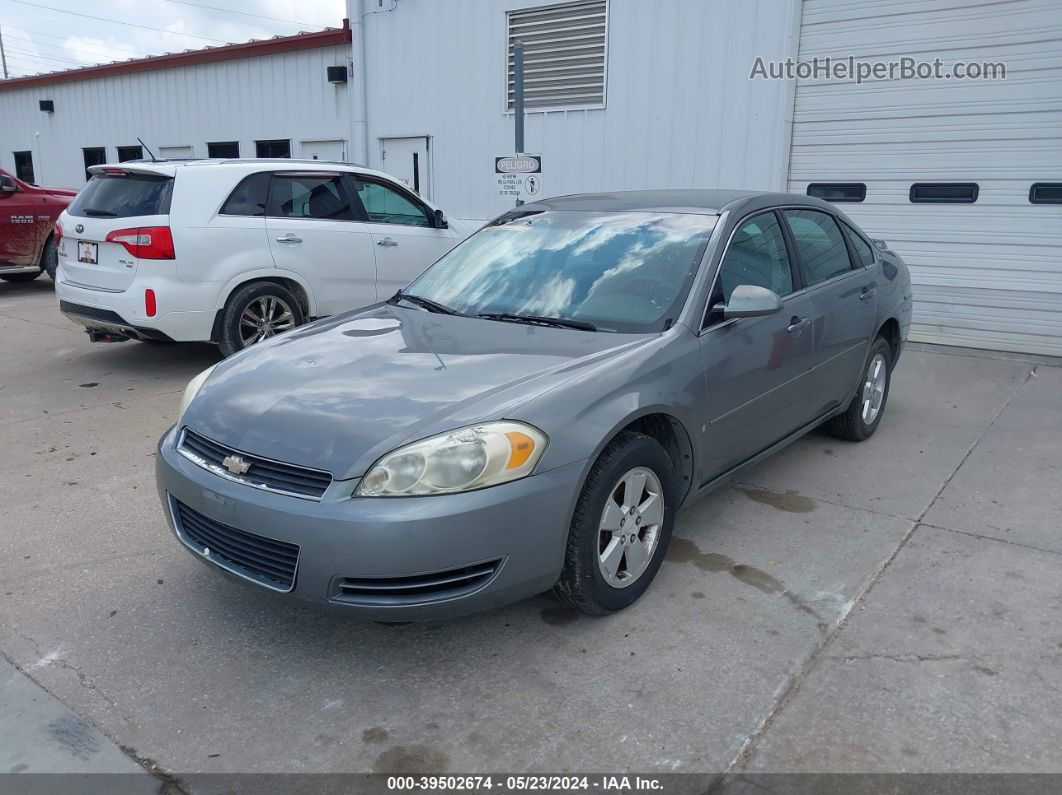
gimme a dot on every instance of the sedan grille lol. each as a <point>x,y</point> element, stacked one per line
<point>266,561</point>
<point>255,471</point>
<point>417,589</point>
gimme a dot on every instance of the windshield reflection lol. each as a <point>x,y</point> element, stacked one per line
<point>620,271</point>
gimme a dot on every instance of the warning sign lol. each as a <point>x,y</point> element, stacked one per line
<point>519,176</point>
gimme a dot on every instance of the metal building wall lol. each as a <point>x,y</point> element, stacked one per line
<point>680,110</point>
<point>284,95</point>
<point>988,274</point>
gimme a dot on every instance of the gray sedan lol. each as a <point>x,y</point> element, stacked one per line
<point>530,412</point>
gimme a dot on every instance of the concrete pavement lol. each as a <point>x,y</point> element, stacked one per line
<point>892,605</point>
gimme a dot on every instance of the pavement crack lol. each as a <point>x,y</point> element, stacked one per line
<point>993,538</point>
<point>48,659</point>
<point>91,408</point>
<point>903,658</point>
<point>746,750</point>
<point>39,323</point>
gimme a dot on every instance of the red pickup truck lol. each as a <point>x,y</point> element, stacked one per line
<point>27,222</point>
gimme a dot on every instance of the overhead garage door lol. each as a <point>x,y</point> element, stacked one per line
<point>987,274</point>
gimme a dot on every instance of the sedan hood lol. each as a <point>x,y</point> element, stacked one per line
<point>340,393</point>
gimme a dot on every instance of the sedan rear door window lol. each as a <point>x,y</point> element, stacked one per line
<point>864,253</point>
<point>819,244</point>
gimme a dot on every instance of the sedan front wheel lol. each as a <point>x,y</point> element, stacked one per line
<point>621,526</point>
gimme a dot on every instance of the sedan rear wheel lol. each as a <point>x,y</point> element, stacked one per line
<point>864,413</point>
<point>621,526</point>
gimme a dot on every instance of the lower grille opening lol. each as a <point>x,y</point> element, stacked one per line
<point>264,560</point>
<point>417,589</point>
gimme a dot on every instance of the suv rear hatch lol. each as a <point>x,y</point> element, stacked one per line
<point>119,219</point>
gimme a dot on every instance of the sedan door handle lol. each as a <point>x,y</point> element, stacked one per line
<point>796,324</point>
<point>289,239</point>
<point>386,242</point>
<point>867,293</point>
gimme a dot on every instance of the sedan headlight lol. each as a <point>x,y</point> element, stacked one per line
<point>192,390</point>
<point>461,460</point>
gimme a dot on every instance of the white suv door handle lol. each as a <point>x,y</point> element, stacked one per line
<point>289,239</point>
<point>387,242</point>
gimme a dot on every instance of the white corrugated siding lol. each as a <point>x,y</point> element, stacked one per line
<point>679,110</point>
<point>986,275</point>
<point>285,95</point>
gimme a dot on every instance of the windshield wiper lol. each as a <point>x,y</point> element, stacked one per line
<point>93,213</point>
<point>559,322</point>
<point>423,303</point>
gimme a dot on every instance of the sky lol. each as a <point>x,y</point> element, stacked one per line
<point>38,39</point>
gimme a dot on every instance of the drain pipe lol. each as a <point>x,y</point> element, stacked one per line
<point>359,102</point>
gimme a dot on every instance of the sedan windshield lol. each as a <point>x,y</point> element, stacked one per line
<point>614,271</point>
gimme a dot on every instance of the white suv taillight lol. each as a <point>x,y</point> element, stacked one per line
<point>145,242</point>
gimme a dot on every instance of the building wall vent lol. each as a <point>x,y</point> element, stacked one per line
<point>564,54</point>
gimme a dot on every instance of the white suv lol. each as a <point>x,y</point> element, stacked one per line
<point>234,251</point>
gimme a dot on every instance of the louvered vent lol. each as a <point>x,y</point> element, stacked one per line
<point>564,54</point>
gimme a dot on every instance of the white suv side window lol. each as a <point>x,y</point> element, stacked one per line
<point>385,206</point>
<point>309,196</point>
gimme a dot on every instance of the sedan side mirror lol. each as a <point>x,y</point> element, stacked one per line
<point>7,184</point>
<point>750,300</point>
<point>440,220</point>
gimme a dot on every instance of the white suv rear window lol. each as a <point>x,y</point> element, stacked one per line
<point>123,196</point>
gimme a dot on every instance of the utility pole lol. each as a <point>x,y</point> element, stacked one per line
<point>3,55</point>
<point>518,97</point>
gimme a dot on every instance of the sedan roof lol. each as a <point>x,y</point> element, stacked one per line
<point>703,202</point>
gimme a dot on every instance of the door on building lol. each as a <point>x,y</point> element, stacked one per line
<point>175,152</point>
<point>406,159</point>
<point>334,151</point>
<point>982,247</point>
<point>24,167</point>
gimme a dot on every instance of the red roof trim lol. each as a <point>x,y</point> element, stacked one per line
<point>228,52</point>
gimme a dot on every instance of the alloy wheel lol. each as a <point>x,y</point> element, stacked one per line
<point>629,530</point>
<point>264,317</point>
<point>874,388</point>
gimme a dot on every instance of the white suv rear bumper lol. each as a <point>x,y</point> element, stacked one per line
<point>180,316</point>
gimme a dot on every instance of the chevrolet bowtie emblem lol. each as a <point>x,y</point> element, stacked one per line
<point>235,465</point>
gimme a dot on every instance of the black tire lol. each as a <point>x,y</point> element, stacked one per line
<point>19,278</point>
<point>50,258</point>
<point>581,582</point>
<point>851,426</point>
<point>241,300</point>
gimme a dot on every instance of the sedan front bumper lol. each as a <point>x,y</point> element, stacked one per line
<point>385,559</point>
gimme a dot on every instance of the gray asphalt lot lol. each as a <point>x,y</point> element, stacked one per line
<point>889,606</point>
